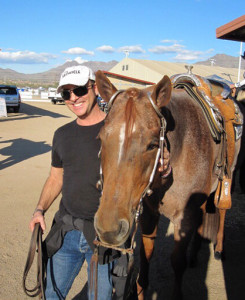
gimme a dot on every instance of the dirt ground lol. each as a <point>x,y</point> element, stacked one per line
<point>25,144</point>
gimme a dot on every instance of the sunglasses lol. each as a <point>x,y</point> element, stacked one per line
<point>79,92</point>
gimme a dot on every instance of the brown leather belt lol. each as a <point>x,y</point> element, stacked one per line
<point>35,247</point>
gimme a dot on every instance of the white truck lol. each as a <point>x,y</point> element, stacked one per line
<point>54,96</point>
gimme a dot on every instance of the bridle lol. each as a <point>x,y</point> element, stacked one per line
<point>147,190</point>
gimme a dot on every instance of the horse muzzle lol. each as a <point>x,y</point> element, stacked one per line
<point>114,234</point>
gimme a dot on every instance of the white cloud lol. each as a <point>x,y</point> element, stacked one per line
<point>210,50</point>
<point>25,57</point>
<point>186,55</point>
<point>11,49</point>
<point>175,48</point>
<point>169,41</point>
<point>80,60</point>
<point>78,51</point>
<point>182,54</point>
<point>132,49</point>
<point>106,49</point>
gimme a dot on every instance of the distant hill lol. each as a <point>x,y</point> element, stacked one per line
<point>223,60</point>
<point>51,76</point>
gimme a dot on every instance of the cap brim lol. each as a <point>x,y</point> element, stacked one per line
<point>68,82</point>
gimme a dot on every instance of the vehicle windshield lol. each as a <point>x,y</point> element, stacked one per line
<point>8,91</point>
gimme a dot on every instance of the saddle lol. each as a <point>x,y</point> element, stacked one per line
<point>224,120</point>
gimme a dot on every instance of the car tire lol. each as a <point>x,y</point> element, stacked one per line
<point>16,109</point>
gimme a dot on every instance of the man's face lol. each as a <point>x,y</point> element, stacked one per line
<point>81,106</point>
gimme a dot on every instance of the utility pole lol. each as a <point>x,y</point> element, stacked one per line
<point>212,61</point>
<point>240,61</point>
<point>126,52</point>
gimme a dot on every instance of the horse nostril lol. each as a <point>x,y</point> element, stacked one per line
<point>115,234</point>
<point>124,227</point>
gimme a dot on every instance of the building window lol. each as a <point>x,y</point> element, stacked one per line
<point>126,67</point>
<point>123,67</point>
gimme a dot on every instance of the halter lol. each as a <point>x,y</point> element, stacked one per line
<point>147,190</point>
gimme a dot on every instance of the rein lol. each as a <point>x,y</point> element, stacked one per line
<point>147,190</point>
<point>35,246</point>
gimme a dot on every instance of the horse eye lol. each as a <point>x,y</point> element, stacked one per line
<point>152,146</point>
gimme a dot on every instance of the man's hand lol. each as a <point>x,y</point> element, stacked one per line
<point>37,217</point>
<point>165,167</point>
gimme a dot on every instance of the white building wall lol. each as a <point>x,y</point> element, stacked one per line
<point>131,68</point>
<point>153,71</point>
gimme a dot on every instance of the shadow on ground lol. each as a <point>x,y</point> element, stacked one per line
<point>28,111</point>
<point>21,149</point>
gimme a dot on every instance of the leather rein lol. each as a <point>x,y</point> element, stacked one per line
<point>35,246</point>
<point>147,190</point>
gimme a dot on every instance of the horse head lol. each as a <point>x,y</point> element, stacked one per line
<point>129,145</point>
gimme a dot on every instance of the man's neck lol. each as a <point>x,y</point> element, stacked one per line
<point>95,117</point>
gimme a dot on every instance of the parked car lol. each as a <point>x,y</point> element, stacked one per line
<point>11,96</point>
<point>54,96</point>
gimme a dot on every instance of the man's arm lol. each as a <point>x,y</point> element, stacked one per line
<point>50,192</point>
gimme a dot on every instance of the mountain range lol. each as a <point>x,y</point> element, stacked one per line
<point>51,77</point>
<point>223,60</point>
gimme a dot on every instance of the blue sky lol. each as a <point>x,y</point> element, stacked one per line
<point>39,35</point>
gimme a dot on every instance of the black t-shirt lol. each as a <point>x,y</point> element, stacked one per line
<point>75,149</point>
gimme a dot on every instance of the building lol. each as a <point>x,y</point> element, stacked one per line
<point>234,30</point>
<point>153,71</point>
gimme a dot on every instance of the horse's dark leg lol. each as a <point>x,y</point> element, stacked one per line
<point>149,221</point>
<point>203,211</point>
<point>197,239</point>
<point>183,233</point>
<point>242,178</point>
<point>146,251</point>
<point>220,235</point>
<point>179,260</point>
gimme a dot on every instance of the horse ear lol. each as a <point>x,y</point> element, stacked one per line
<point>162,92</point>
<point>105,87</point>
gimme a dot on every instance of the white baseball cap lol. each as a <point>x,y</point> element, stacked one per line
<point>77,75</point>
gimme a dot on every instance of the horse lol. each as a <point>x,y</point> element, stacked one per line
<point>240,95</point>
<point>131,179</point>
<point>240,166</point>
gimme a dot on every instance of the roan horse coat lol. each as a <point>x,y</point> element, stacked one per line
<point>129,144</point>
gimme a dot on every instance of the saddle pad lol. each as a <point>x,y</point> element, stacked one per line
<point>212,115</point>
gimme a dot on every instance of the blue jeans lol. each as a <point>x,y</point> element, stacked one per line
<point>65,264</point>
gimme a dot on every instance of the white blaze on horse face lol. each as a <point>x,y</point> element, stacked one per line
<point>134,128</point>
<point>121,142</point>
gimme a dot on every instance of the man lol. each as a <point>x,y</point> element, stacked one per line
<point>75,172</point>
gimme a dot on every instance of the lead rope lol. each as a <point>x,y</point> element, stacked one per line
<point>93,284</point>
<point>147,191</point>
